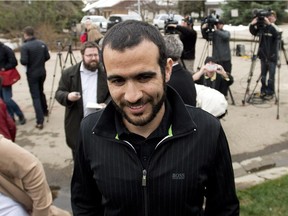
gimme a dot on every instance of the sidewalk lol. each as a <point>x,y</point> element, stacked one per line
<point>257,133</point>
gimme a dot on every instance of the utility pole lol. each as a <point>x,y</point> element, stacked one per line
<point>139,12</point>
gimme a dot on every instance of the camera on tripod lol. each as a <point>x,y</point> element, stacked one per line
<point>210,21</point>
<point>167,29</point>
<point>261,14</point>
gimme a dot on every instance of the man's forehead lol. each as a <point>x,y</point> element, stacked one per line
<point>91,49</point>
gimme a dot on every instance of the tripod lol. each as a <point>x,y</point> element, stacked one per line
<point>62,67</point>
<point>280,47</point>
<point>252,67</point>
<point>70,55</point>
<point>204,54</point>
<point>58,61</point>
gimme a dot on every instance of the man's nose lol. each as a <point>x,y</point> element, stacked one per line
<point>133,92</point>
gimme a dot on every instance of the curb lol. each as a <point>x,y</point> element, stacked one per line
<point>256,170</point>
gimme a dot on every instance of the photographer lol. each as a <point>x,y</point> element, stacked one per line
<point>212,30</point>
<point>214,76</point>
<point>188,36</point>
<point>263,25</point>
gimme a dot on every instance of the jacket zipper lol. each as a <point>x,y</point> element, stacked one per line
<point>144,184</point>
<point>144,176</point>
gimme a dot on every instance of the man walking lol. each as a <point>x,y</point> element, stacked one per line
<point>147,153</point>
<point>80,85</point>
<point>34,54</point>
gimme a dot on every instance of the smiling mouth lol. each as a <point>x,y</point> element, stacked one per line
<point>137,109</point>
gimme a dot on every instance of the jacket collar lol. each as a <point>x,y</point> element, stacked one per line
<point>29,39</point>
<point>182,120</point>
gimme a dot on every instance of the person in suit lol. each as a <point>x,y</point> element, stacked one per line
<point>24,190</point>
<point>80,85</point>
<point>181,79</point>
<point>148,153</point>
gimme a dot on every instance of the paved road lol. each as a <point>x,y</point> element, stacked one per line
<point>252,129</point>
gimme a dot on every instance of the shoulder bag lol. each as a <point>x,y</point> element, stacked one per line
<point>9,77</point>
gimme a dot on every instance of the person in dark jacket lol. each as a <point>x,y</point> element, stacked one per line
<point>181,79</point>
<point>188,36</point>
<point>8,61</point>
<point>220,43</point>
<point>214,76</point>
<point>269,37</point>
<point>80,85</point>
<point>34,54</point>
<point>147,153</point>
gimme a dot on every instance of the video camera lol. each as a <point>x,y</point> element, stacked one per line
<point>167,29</point>
<point>211,21</point>
<point>261,14</point>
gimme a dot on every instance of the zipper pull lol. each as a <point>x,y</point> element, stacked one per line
<point>144,178</point>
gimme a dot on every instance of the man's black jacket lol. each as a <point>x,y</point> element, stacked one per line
<point>269,41</point>
<point>71,81</point>
<point>182,81</point>
<point>190,163</point>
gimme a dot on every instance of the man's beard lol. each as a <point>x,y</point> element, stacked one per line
<point>141,122</point>
<point>91,66</point>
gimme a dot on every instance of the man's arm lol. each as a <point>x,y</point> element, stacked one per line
<point>253,27</point>
<point>61,94</point>
<point>24,57</point>
<point>47,54</point>
<point>221,198</point>
<point>197,75</point>
<point>19,164</point>
<point>12,61</point>
<point>85,196</point>
<point>225,35</point>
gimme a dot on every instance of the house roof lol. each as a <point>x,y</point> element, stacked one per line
<point>101,4</point>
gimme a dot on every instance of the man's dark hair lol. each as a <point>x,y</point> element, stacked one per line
<point>130,33</point>
<point>88,44</point>
<point>210,58</point>
<point>29,30</point>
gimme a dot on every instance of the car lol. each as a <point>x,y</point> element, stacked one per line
<point>160,19</point>
<point>100,21</point>
<point>116,18</point>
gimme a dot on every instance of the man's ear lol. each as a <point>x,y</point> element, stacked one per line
<point>168,69</point>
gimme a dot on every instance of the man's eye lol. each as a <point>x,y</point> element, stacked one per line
<point>144,78</point>
<point>117,82</point>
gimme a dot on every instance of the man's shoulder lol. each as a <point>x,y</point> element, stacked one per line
<point>72,70</point>
<point>90,120</point>
<point>200,116</point>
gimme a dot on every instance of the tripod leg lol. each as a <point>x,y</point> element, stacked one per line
<point>205,51</point>
<point>252,93</point>
<point>278,80</point>
<point>51,94</point>
<point>52,99</point>
<point>75,61</point>
<point>284,51</point>
<point>278,93</point>
<point>71,59</point>
<point>65,61</point>
<point>231,96</point>
<point>183,63</point>
<point>252,67</point>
